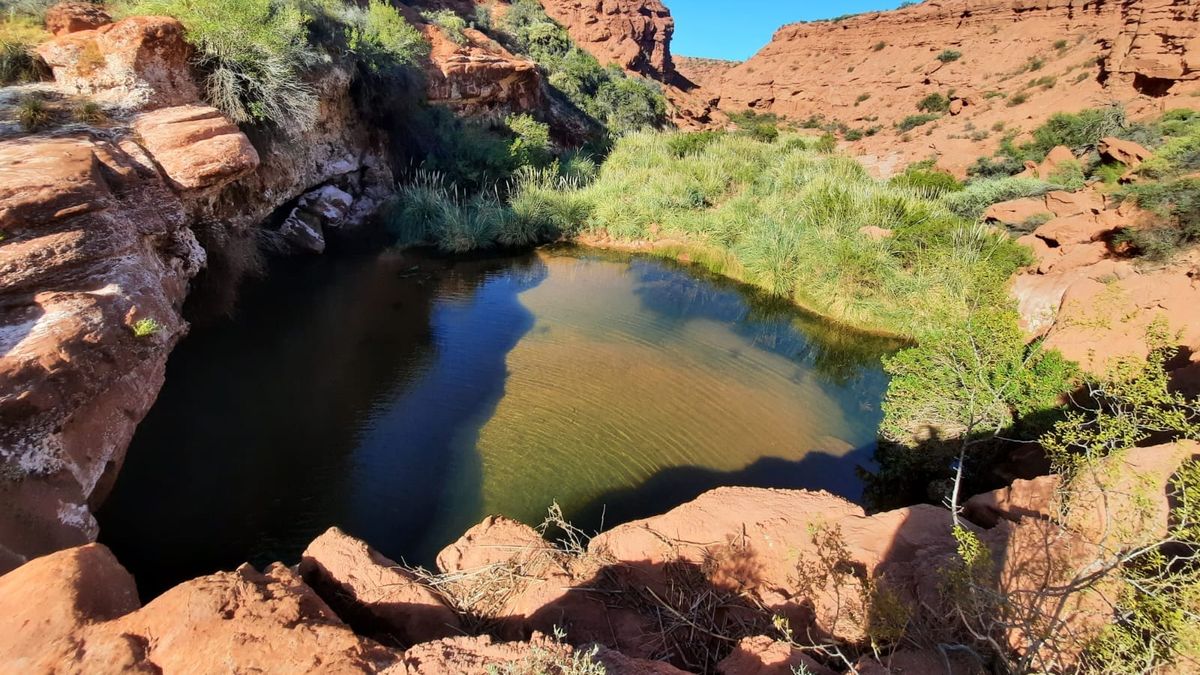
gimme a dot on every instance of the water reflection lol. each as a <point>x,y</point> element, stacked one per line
<point>403,398</point>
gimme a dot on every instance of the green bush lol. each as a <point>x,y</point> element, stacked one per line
<point>253,53</point>
<point>934,103</point>
<point>451,24</point>
<point>1177,204</point>
<point>382,38</point>
<point>913,121</point>
<point>932,183</point>
<point>620,102</point>
<point>531,145</point>
<point>972,376</point>
<point>949,55</point>
<point>683,144</point>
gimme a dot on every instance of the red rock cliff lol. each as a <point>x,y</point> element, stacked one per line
<point>1018,61</point>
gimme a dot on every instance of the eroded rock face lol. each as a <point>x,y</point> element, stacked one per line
<point>873,69</point>
<point>634,34</point>
<point>481,76</point>
<point>196,146</point>
<point>72,17</point>
<point>95,243</point>
<point>1086,301</point>
<point>137,63</point>
<point>99,252</point>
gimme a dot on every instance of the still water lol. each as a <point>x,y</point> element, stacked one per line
<point>403,398</point>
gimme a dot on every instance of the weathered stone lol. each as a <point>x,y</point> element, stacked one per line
<point>138,63</point>
<point>72,17</point>
<point>368,589</point>
<point>196,146</point>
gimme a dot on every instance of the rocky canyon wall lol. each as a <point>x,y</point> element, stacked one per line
<point>1007,64</point>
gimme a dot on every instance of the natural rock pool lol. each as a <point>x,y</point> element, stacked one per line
<point>404,397</point>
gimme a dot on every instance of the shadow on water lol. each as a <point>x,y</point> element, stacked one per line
<point>672,487</point>
<point>262,436</point>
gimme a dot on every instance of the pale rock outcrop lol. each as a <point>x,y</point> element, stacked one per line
<point>368,589</point>
<point>138,63</point>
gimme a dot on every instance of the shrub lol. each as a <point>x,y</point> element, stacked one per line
<point>451,24</point>
<point>1177,203</point>
<point>620,102</point>
<point>1017,99</point>
<point>928,182</point>
<point>862,97</point>
<point>253,53</point>
<point>879,46</point>
<point>33,113</point>
<point>18,62</point>
<point>934,103</point>
<point>89,112</point>
<point>826,144</point>
<point>482,18</point>
<point>913,121</point>
<point>532,143</point>
<point>382,38</point>
<point>683,144</point>
<point>970,377</point>
<point>1069,175</point>
<point>949,56</point>
<point>980,194</point>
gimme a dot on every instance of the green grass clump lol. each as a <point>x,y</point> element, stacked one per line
<point>787,219</point>
<point>971,202</point>
<point>934,103</point>
<point>913,121</point>
<point>683,144</point>
<point>451,24</point>
<point>18,61</point>
<point>33,113</point>
<point>144,328</point>
<point>949,56</point>
<point>927,181</point>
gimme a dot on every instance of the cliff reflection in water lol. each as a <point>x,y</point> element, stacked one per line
<point>403,398</point>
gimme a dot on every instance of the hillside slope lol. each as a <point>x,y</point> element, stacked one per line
<point>1004,65</point>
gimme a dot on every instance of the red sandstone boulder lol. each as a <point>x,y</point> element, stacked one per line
<point>1126,152</point>
<point>480,76</point>
<point>138,63</point>
<point>634,34</point>
<point>762,655</point>
<point>1015,212</point>
<point>497,540</point>
<point>366,588</point>
<point>73,17</point>
<point>196,146</point>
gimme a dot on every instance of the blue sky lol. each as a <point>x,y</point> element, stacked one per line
<point>736,29</point>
